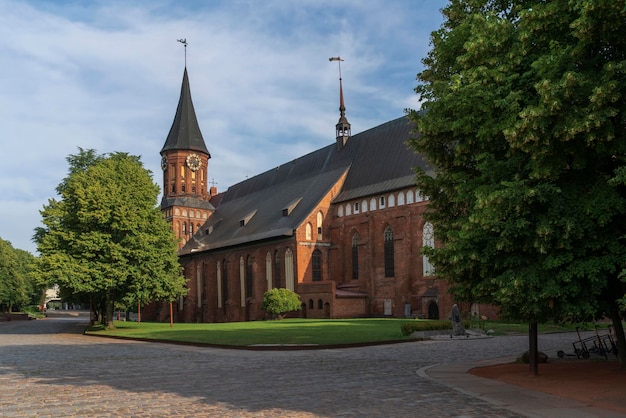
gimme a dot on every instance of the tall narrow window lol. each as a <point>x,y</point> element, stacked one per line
<point>225,281</point>
<point>219,284</point>
<point>242,282</point>
<point>250,277</point>
<point>199,286</point>
<point>428,240</point>
<point>172,171</point>
<point>316,262</point>
<point>355,256</point>
<point>277,281</point>
<point>289,273</point>
<point>320,219</point>
<point>389,262</point>
<point>268,269</point>
<point>308,232</point>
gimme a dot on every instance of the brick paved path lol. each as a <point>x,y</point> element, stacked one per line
<point>48,368</point>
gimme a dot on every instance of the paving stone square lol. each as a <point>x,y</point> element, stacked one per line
<point>48,368</point>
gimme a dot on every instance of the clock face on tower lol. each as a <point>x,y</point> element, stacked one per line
<point>164,162</point>
<point>194,162</point>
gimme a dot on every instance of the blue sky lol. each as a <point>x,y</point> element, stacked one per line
<point>106,75</point>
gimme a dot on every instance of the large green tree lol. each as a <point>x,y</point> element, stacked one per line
<point>12,285</point>
<point>17,284</point>
<point>104,238</point>
<point>523,121</point>
<point>26,265</point>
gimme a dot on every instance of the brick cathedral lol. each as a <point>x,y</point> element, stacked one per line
<point>341,226</point>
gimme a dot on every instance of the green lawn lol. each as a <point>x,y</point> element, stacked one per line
<point>296,331</point>
<point>286,331</point>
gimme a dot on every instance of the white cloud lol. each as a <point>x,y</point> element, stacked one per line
<point>106,75</point>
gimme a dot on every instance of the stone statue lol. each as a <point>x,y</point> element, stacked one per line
<point>458,329</point>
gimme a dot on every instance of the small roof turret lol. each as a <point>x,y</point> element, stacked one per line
<point>343,126</point>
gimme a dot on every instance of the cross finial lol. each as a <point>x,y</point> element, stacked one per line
<point>213,182</point>
<point>184,42</point>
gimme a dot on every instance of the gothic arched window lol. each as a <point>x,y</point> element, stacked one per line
<point>320,219</point>
<point>355,256</point>
<point>250,277</point>
<point>428,240</point>
<point>289,273</point>
<point>225,280</point>
<point>268,270</point>
<point>389,261</point>
<point>277,281</point>
<point>316,262</point>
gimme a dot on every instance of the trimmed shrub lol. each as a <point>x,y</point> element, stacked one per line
<point>280,301</point>
<point>409,328</point>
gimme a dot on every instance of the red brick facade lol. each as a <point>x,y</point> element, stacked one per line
<point>342,226</point>
<point>250,270</point>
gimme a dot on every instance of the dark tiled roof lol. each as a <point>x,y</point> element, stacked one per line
<point>185,133</point>
<point>382,162</point>
<point>376,161</point>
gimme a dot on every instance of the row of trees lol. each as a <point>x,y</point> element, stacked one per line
<point>18,286</point>
<point>524,122</point>
<point>105,240</point>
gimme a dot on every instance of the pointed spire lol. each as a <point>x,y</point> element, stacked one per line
<point>185,132</point>
<point>343,126</point>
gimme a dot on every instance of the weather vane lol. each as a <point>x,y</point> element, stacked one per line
<point>184,42</point>
<point>337,59</point>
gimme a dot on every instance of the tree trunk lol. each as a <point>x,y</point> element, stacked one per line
<point>107,321</point>
<point>619,335</point>
<point>533,357</point>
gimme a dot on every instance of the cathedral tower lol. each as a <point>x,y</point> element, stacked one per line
<point>184,160</point>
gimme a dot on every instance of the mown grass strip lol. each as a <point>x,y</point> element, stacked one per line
<point>321,332</point>
<point>283,332</point>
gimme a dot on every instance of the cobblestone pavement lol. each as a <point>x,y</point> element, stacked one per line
<point>48,368</point>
